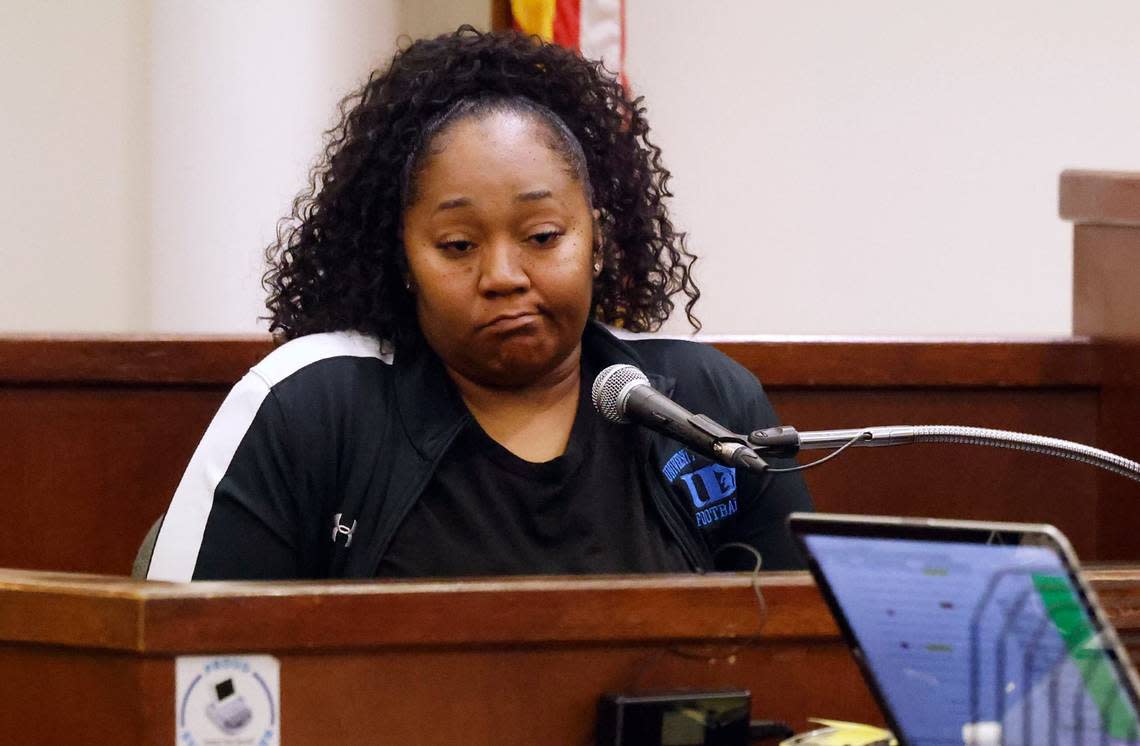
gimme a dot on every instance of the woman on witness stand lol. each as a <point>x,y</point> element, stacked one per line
<point>487,214</point>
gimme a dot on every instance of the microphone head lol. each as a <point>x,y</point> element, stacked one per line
<point>611,389</point>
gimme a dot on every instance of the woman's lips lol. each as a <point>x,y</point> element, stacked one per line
<point>511,321</point>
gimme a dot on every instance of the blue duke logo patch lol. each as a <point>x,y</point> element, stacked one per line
<point>711,488</point>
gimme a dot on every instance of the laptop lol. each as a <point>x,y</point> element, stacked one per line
<point>974,633</point>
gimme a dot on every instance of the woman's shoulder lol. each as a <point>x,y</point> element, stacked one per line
<point>310,381</point>
<point>706,380</point>
<point>318,370</point>
<point>681,357</point>
<point>321,356</point>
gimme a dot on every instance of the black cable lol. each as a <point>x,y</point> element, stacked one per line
<point>817,462</point>
<point>759,730</point>
<point>762,606</point>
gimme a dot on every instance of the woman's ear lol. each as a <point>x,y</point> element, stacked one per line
<point>406,273</point>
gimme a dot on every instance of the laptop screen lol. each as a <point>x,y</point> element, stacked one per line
<point>974,643</point>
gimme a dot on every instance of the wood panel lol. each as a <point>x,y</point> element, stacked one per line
<point>1117,430</point>
<point>137,361</point>
<point>857,363</point>
<point>953,481</point>
<point>58,696</point>
<point>85,470</point>
<point>97,432</point>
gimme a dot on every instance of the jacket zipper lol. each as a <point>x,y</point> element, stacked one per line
<point>668,510</point>
<point>383,547</point>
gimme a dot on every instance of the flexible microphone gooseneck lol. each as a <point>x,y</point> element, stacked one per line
<point>785,441</point>
<point>622,394</point>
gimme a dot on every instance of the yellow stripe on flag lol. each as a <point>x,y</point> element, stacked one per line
<point>535,17</point>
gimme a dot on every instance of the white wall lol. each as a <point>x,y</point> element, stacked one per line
<point>241,93</point>
<point>881,167</point>
<point>886,166</point>
<point>420,18</point>
<point>73,162</point>
<point>149,148</point>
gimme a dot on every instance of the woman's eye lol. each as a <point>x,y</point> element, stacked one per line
<point>545,237</point>
<point>459,247</point>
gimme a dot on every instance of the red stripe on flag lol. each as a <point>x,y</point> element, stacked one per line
<point>566,23</point>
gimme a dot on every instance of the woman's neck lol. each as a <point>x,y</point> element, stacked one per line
<point>532,422</point>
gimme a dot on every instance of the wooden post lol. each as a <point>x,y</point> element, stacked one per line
<point>1104,207</point>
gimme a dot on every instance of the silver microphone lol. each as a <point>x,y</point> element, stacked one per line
<point>621,393</point>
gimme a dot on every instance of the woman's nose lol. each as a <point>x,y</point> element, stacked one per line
<point>502,270</point>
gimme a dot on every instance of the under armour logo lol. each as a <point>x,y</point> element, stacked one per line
<point>339,528</point>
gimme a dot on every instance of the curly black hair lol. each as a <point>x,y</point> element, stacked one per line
<point>338,262</point>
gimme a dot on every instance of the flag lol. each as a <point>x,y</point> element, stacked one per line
<point>595,28</point>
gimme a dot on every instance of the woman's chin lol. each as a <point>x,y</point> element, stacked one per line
<point>515,374</point>
<point>513,368</point>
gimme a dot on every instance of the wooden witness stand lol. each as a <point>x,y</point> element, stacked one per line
<point>483,662</point>
<point>90,658</point>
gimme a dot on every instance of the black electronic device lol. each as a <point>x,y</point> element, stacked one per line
<point>696,718</point>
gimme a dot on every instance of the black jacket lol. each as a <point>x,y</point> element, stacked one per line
<point>322,449</point>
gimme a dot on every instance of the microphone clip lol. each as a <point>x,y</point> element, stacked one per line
<point>778,442</point>
<point>731,448</point>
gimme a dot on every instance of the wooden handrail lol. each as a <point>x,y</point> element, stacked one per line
<point>777,361</point>
<point>119,614</point>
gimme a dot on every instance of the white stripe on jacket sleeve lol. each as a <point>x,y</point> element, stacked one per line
<point>180,538</point>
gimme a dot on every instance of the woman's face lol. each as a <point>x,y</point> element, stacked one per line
<point>499,247</point>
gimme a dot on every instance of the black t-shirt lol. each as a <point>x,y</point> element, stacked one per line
<point>488,512</point>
